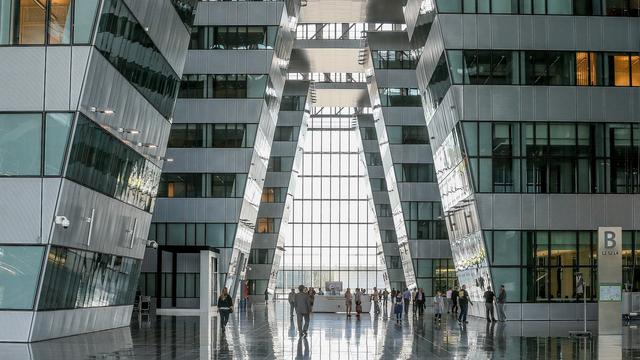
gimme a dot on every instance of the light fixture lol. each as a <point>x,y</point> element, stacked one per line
<point>161,158</point>
<point>101,111</point>
<point>147,145</point>
<point>128,131</point>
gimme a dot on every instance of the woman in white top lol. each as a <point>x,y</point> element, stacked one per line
<point>348,299</point>
<point>438,306</point>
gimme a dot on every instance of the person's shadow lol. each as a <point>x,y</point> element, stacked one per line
<point>300,355</point>
<point>292,328</point>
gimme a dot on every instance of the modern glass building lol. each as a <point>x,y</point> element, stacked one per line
<point>389,144</point>
<point>530,108</point>
<point>86,103</point>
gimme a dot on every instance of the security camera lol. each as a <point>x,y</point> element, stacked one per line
<point>152,244</point>
<point>63,221</point>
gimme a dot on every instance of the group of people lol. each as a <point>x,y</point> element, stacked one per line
<point>456,301</point>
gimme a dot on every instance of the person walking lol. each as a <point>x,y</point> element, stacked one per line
<point>438,306</point>
<point>397,306</point>
<point>502,299</point>
<point>225,307</point>
<point>348,298</point>
<point>420,300</point>
<point>312,296</point>
<point>489,297</point>
<point>292,300</point>
<point>449,304</point>
<point>303,308</point>
<point>463,301</point>
<point>266,296</point>
<point>358,298</point>
<point>414,292</point>
<point>385,298</point>
<point>454,300</point>
<point>407,300</point>
<point>375,297</point>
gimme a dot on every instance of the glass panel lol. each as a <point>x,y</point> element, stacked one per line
<point>60,21</point>
<point>20,147</point>
<point>19,273</point>
<point>56,137</point>
<point>81,279</point>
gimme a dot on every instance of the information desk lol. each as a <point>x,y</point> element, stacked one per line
<point>335,304</point>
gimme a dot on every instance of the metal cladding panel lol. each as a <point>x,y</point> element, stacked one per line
<point>79,66</point>
<point>228,61</point>
<point>111,231</point>
<point>16,327</point>
<point>106,88</point>
<point>20,214</point>
<point>197,210</point>
<point>23,68</point>
<point>58,78</point>
<point>218,111</point>
<point>396,78</point>
<point>50,192</point>
<point>239,13</point>
<point>60,323</point>
<point>208,160</point>
<point>411,13</point>
<point>388,40</point>
<point>165,28</point>
<point>403,115</point>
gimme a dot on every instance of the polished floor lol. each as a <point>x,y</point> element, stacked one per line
<point>266,332</point>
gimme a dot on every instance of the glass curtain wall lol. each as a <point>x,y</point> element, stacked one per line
<point>334,231</point>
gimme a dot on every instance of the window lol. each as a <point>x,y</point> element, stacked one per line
<point>293,103</point>
<point>378,184</point>
<point>399,97</point>
<point>233,37</point>
<point>19,274</point>
<point>84,279</point>
<point>394,59</point>
<point>274,194</point>
<point>286,133</point>
<point>224,86</point>
<point>212,135</point>
<point>415,173</point>
<point>199,185</point>
<point>57,129</point>
<point>20,152</point>
<point>383,210</point>
<point>439,84</point>
<point>562,157</point>
<point>280,163</point>
<point>542,7</point>
<point>373,159</point>
<point>368,133</point>
<point>408,135</point>
<point>24,22</point>
<point>103,163</point>
<point>267,225</point>
<point>261,256</point>
<point>128,47</point>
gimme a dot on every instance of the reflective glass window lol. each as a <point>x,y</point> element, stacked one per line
<point>60,21</point>
<point>128,47</point>
<point>102,162</point>
<point>19,274</point>
<point>57,128</point>
<point>82,279</point>
<point>84,18</point>
<point>20,144</point>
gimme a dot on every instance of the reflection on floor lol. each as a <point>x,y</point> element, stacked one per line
<point>268,333</point>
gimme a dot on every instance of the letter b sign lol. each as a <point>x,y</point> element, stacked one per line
<point>609,240</point>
